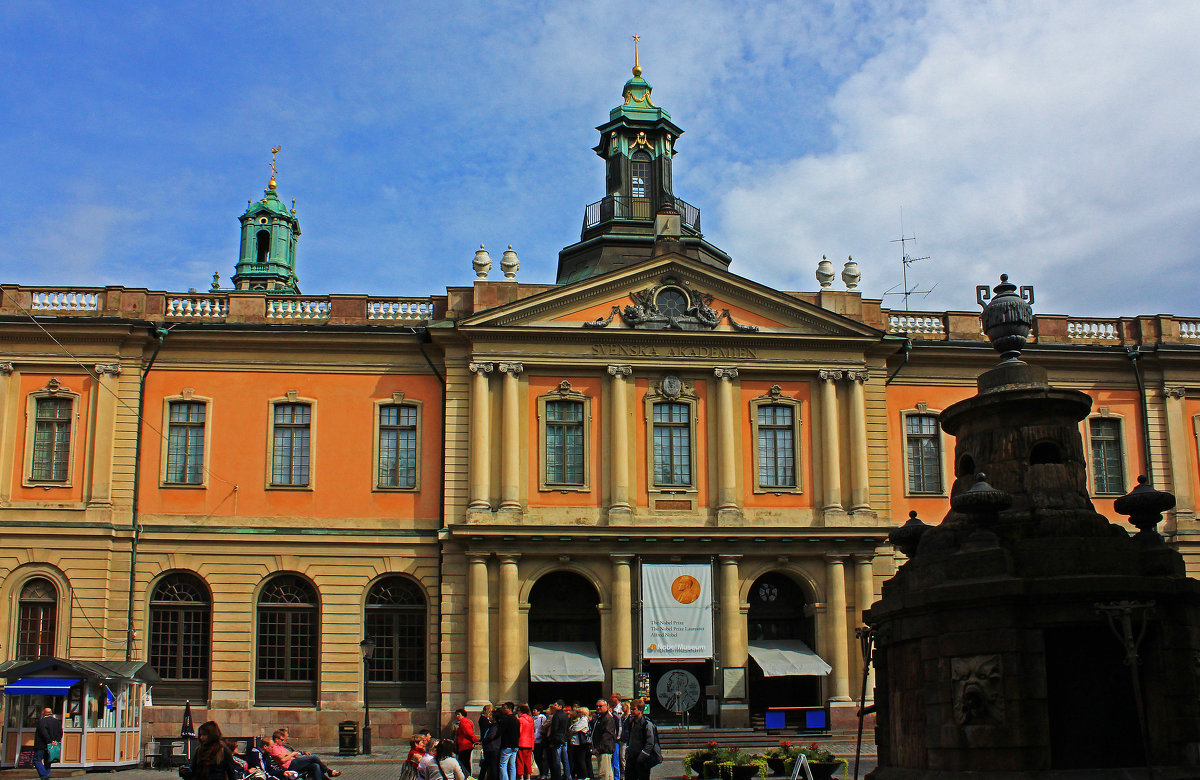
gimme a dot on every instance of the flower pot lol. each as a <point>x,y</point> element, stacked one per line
<point>709,769</point>
<point>824,770</point>
<point>739,772</point>
<point>777,766</point>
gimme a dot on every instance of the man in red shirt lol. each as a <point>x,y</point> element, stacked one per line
<point>464,740</point>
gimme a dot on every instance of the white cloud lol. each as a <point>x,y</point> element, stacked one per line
<point>1055,142</point>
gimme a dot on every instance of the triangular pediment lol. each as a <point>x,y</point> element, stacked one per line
<point>669,293</point>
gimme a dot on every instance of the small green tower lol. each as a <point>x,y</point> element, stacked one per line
<point>637,144</point>
<point>269,233</point>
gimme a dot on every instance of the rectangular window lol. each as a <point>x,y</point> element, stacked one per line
<point>397,446</point>
<point>52,439</point>
<point>1108,472</point>
<point>185,443</point>
<point>564,443</point>
<point>672,445</point>
<point>290,455</point>
<point>776,446</point>
<point>924,453</point>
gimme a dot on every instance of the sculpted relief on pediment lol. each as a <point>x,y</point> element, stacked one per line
<point>672,304</point>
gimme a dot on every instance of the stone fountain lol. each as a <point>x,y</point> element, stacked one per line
<point>1027,636</point>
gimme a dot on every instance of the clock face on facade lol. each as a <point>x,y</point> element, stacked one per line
<point>685,589</point>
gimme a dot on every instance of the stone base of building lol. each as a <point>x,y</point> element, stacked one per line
<point>307,726</point>
<point>735,715</point>
<point>1122,773</point>
<point>843,716</point>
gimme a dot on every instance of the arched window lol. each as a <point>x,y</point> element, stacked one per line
<point>778,613</point>
<point>288,638</point>
<point>563,608</point>
<point>639,185</point>
<point>38,608</point>
<point>180,619</point>
<point>396,619</point>
<point>262,242</point>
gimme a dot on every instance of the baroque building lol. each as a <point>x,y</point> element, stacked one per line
<point>650,476</point>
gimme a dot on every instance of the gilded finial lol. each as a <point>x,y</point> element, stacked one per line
<point>271,183</point>
<point>293,207</point>
<point>637,66</point>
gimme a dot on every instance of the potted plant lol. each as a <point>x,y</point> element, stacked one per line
<point>695,761</point>
<point>822,762</point>
<point>742,765</point>
<point>781,759</point>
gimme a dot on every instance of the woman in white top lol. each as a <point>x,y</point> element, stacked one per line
<point>581,745</point>
<point>445,766</point>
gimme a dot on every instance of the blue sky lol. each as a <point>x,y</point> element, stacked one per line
<point>1058,142</point>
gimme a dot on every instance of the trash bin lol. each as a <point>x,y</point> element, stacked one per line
<point>348,738</point>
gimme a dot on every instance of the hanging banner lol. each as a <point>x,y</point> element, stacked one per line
<point>677,609</point>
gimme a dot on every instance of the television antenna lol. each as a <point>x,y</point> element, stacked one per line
<point>907,260</point>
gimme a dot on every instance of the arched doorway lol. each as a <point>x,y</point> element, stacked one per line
<point>562,609</point>
<point>777,613</point>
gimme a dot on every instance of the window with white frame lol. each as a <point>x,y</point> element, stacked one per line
<point>923,453</point>
<point>52,439</point>
<point>1108,467</point>
<point>398,435</point>
<point>185,442</point>
<point>291,439</point>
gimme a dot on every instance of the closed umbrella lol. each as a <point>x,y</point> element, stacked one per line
<point>187,731</point>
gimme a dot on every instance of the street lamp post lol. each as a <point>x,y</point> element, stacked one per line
<point>368,651</point>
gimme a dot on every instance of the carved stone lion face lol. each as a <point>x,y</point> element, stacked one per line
<point>978,698</point>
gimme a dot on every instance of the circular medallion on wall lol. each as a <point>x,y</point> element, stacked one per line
<point>678,690</point>
<point>685,589</point>
<point>672,386</point>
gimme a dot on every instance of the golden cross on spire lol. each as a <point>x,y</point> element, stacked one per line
<point>274,151</point>
<point>637,67</point>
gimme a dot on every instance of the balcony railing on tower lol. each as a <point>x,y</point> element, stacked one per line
<point>625,207</point>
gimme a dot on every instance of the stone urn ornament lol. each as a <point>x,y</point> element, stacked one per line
<point>983,504</point>
<point>509,264</point>
<point>1007,318</point>
<point>825,275</point>
<point>850,274</point>
<point>482,263</point>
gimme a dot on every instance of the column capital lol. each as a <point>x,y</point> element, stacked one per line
<point>480,368</point>
<point>1169,392</point>
<point>729,560</point>
<point>109,369</point>
<point>829,374</point>
<point>478,558</point>
<point>512,369</point>
<point>726,372</point>
<point>620,371</point>
<point>861,375</point>
<point>510,559</point>
<point>625,559</point>
<point>6,368</point>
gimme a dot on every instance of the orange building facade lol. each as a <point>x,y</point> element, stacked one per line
<point>240,486</point>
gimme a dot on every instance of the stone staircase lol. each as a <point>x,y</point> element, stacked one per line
<point>683,740</point>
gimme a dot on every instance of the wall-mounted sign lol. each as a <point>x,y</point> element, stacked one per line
<point>677,609</point>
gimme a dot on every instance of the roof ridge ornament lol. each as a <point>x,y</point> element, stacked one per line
<point>271,184</point>
<point>1008,318</point>
<point>637,65</point>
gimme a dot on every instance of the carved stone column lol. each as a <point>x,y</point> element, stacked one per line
<point>620,506</point>
<point>860,489</point>
<point>9,415</point>
<point>727,451</point>
<point>511,649</point>
<point>510,431</point>
<point>478,639</point>
<point>622,613</point>
<point>831,462</point>
<point>733,636</point>
<point>837,637</point>
<point>104,434</point>
<point>864,582</point>
<point>481,434</point>
<point>1180,444</point>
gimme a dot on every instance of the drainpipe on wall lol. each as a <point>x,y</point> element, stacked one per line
<point>1134,354</point>
<point>159,333</point>
<point>907,350</point>
<point>424,338</point>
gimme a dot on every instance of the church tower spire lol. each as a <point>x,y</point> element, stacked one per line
<point>637,144</point>
<point>268,248</point>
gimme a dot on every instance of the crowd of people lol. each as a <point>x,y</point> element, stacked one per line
<point>615,739</point>
<point>564,742</point>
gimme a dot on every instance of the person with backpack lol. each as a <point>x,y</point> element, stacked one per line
<point>643,752</point>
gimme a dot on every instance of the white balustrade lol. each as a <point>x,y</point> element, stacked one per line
<point>1093,330</point>
<point>297,309</point>
<point>197,308</point>
<point>1189,329</point>
<point>64,300</point>
<point>916,324</point>
<point>400,310</point>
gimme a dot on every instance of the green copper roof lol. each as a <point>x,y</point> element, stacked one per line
<point>270,202</point>
<point>637,103</point>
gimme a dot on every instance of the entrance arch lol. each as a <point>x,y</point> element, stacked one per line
<point>778,613</point>
<point>563,607</point>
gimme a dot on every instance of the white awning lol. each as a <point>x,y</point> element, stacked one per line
<point>565,662</point>
<point>787,657</point>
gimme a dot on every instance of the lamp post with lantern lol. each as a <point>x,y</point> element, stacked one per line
<point>368,651</point>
